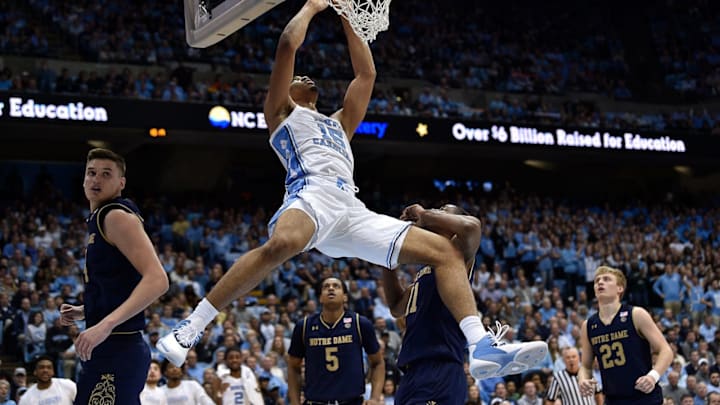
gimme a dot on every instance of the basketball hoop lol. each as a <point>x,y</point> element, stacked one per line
<point>366,17</point>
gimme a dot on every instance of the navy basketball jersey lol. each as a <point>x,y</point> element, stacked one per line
<point>431,331</point>
<point>109,276</point>
<point>622,354</point>
<point>334,368</point>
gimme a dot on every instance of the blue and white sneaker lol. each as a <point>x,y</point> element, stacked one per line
<point>176,344</point>
<point>491,357</point>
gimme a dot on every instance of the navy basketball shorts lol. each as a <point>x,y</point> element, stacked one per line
<point>116,373</point>
<point>432,382</point>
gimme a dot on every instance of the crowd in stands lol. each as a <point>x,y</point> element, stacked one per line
<point>534,270</point>
<point>562,49</point>
<point>687,41</point>
<point>18,34</point>
<point>507,47</point>
<point>462,47</point>
<point>178,85</point>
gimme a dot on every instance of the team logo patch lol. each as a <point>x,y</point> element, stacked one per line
<point>623,316</point>
<point>104,391</point>
<point>593,326</point>
<point>347,321</point>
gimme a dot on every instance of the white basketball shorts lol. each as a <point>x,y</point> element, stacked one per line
<point>344,227</point>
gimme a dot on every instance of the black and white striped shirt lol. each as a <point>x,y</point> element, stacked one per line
<point>565,386</point>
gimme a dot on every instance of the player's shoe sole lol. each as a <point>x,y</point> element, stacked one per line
<point>491,357</point>
<point>492,360</point>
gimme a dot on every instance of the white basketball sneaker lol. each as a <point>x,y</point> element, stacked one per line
<point>176,344</point>
<point>490,357</point>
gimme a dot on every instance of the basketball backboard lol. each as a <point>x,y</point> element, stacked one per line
<point>209,21</point>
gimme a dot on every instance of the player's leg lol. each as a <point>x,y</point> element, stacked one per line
<point>388,241</point>
<point>488,357</point>
<point>422,246</point>
<point>292,233</point>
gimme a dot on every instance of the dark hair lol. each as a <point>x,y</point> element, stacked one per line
<point>41,357</point>
<point>107,154</point>
<point>165,364</point>
<point>342,283</point>
<point>232,349</point>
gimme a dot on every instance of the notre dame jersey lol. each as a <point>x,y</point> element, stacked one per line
<point>334,368</point>
<point>109,276</point>
<point>623,356</point>
<point>432,332</point>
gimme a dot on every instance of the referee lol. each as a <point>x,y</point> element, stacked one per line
<point>565,386</point>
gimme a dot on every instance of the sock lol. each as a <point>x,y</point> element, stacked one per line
<point>203,314</point>
<point>473,328</point>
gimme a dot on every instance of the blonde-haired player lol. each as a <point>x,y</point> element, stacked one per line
<point>623,338</point>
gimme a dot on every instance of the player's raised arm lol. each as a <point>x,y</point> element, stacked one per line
<point>278,103</point>
<point>357,96</point>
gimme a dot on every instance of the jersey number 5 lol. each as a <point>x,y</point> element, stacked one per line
<point>332,362</point>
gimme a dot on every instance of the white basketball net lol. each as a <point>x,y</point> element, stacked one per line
<point>366,17</point>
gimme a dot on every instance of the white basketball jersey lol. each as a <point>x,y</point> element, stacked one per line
<point>189,392</point>
<point>235,392</point>
<point>312,144</point>
<point>61,392</point>
<point>153,396</point>
<point>243,390</point>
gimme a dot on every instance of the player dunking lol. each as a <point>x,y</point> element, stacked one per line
<point>623,338</point>
<point>320,208</point>
<point>123,275</point>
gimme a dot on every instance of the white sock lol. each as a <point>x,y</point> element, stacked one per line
<point>203,314</point>
<point>473,328</point>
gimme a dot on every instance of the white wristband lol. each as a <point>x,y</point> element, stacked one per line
<point>654,374</point>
